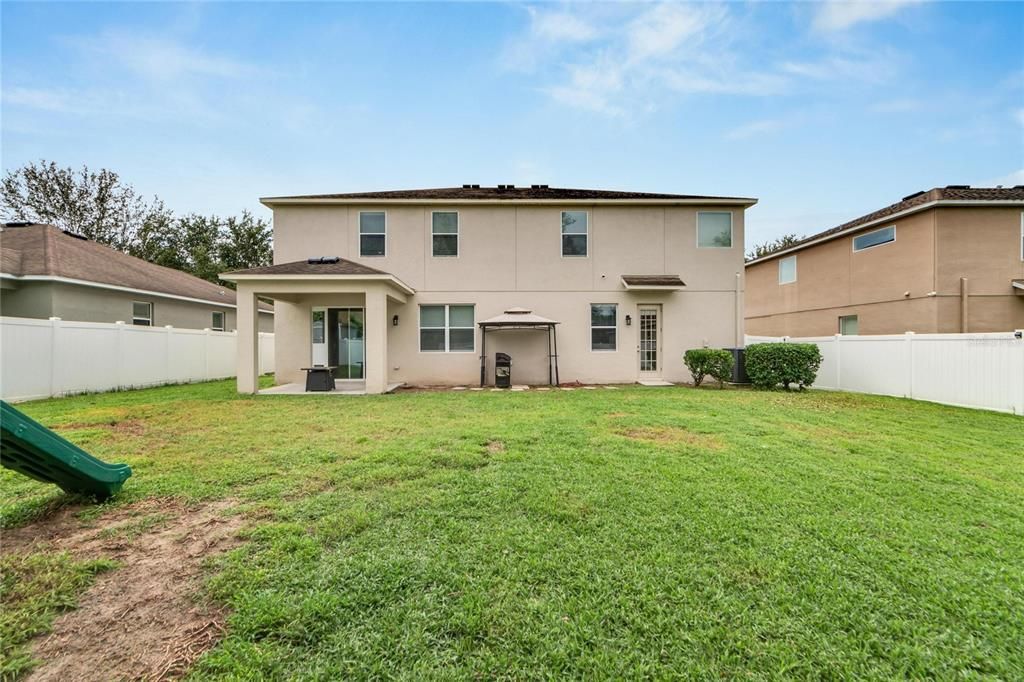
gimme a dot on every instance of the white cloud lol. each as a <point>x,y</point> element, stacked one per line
<point>1018,116</point>
<point>756,129</point>
<point>561,25</point>
<point>36,98</point>
<point>840,15</point>
<point>662,30</point>
<point>900,105</point>
<point>1009,180</point>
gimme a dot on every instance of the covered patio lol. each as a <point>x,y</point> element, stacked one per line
<point>300,288</point>
<point>520,319</point>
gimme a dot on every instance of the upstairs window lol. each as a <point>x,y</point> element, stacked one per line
<point>445,233</point>
<point>874,238</point>
<point>714,230</point>
<point>849,325</point>
<point>373,236</point>
<point>217,324</point>
<point>142,314</point>
<point>603,326</point>
<point>574,233</point>
<point>787,270</point>
<point>447,329</point>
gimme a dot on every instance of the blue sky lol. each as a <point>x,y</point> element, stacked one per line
<point>823,111</point>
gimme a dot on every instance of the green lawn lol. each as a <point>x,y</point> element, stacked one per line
<point>625,533</point>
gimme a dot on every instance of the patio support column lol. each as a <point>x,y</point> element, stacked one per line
<point>247,370</point>
<point>376,340</point>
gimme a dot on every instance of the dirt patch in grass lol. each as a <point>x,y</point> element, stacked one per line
<point>671,435</point>
<point>493,447</point>
<point>126,427</point>
<point>141,620</point>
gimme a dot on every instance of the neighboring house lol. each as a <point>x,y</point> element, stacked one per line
<point>48,272</point>
<point>408,276</point>
<point>947,260</point>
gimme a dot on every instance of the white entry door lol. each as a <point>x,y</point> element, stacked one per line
<point>650,340</point>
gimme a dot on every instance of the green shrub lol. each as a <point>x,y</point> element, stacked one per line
<point>771,364</point>
<point>709,361</point>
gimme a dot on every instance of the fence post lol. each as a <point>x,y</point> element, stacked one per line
<point>909,338</point>
<point>54,354</point>
<point>1018,336</point>
<point>839,363</point>
<point>119,370</point>
<point>206,353</point>
<point>167,354</point>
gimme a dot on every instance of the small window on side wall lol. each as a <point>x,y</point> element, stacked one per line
<point>603,326</point>
<point>373,233</point>
<point>444,234</point>
<point>874,238</point>
<point>714,230</point>
<point>575,233</point>
<point>787,270</point>
<point>142,314</point>
<point>848,325</point>
<point>217,324</point>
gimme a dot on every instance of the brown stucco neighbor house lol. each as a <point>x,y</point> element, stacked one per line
<point>947,260</point>
<point>48,272</point>
<point>391,287</point>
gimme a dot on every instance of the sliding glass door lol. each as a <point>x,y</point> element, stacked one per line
<point>346,345</point>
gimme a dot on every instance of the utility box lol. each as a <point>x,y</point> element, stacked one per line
<point>502,370</point>
<point>739,365</point>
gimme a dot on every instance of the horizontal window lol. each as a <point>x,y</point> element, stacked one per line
<point>444,233</point>
<point>142,314</point>
<point>574,233</point>
<point>373,233</point>
<point>217,324</point>
<point>714,230</point>
<point>603,326</point>
<point>875,238</point>
<point>787,270</point>
<point>447,329</point>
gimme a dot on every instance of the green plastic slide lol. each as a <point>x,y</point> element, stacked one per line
<point>28,447</point>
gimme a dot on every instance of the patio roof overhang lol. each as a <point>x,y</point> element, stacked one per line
<point>1018,285</point>
<point>320,270</point>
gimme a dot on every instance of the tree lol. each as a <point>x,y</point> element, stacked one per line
<point>94,204</point>
<point>770,247</point>
<point>246,243</point>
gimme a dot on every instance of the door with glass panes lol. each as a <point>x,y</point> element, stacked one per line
<point>649,346</point>
<point>346,343</point>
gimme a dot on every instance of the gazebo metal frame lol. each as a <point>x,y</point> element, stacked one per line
<point>510,325</point>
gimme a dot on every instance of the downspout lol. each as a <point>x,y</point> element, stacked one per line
<point>964,298</point>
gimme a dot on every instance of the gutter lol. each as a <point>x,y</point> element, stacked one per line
<point>391,279</point>
<point>271,202</point>
<point>885,219</point>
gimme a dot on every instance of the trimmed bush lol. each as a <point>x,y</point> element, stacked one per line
<point>771,364</point>
<point>709,361</point>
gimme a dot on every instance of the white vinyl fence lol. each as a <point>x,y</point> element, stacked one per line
<point>985,371</point>
<point>43,358</point>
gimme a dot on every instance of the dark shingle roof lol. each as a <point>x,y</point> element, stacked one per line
<point>950,193</point>
<point>46,250</point>
<point>504,193</point>
<point>313,266</point>
<point>654,280</point>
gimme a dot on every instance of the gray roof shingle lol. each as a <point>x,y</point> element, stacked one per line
<point>503,193</point>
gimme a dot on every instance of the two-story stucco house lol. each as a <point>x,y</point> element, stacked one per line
<point>392,287</point>
<point>947,260</point>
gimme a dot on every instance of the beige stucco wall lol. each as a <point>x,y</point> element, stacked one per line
<point>911,284</point>
<point>511,256</point>
<point>88,304</point>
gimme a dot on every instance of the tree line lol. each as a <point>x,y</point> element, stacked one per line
<point>100,206</point>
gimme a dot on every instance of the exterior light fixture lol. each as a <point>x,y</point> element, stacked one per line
<point>394,321</point>
<point>629,320</point>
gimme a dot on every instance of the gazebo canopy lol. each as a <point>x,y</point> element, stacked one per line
<point>517,317</point>
<point>520,318</point>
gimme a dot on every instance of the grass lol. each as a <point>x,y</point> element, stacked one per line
<point>33,589</point>
<point>639,532</point>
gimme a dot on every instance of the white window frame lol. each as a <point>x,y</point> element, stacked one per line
<point>590,320</point>
<point>561,234</point>
<point>149,320</point>
<point>781,261</point>
<point>458,234</point>
<point>213,320</point>
<point>1022,235</point>
<point>359,231</point>
<point>732,229</point>
<point>853,242</point>
<point>447,326</point>
<point>846,317</point>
